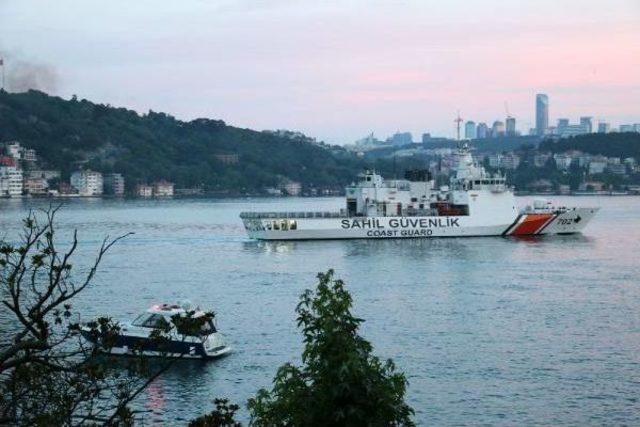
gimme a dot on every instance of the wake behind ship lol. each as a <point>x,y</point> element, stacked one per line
<point>475,203</point>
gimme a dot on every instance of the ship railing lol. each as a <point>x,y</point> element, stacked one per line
<point>291,215</point>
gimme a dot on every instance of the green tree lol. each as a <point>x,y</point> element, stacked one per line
<point>49,375</point>
<point>340,383</point>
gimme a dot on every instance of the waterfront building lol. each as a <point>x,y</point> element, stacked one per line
<point>542,114</point>
<point>636,127</point>
<point>587,123</point>
<point>87,183</point>
<point>482,131</point>
<point>470,130</point>
<point>626,128</point>
<point>163,188</point>
<point>11,181</point>
<point>114,184</point>
<point>36,186</point>
<point>511,126</point>
<point>497,130</point>
<point>426,137</point>
<point>143,190</point>
<point>292,188</point>
<point>604,127</point>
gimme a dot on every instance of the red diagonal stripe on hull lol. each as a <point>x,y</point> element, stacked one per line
<point>531,224</point>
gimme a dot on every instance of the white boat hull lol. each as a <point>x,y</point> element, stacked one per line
<point>525,224</point>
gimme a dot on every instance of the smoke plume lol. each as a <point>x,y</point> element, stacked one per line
<point>22,75</point>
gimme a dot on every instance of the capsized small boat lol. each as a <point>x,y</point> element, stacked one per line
<point>192,333</point>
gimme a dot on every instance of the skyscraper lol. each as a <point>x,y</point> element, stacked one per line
<point>482,130</point>
<point>604,127</point>
<point>542,113</point>
<point>470,130</point>
<point>497,130</point>
<point>511,126</point>
<point>587,123</point>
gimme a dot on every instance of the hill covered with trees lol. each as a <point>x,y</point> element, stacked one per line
<point>73,134</point>
<point>613,144</point>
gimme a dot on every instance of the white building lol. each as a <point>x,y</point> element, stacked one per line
<point>292,188</point>
<point>88,183</point>
<point>10,181</point>
<point>163,188</point>
<point>144,190</point>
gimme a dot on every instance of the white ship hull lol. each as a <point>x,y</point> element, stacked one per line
<point>524,224</point>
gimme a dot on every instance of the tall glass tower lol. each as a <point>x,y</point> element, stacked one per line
<point>542,113</point>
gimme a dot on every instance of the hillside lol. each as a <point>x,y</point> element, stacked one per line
<point>69,134</point>
<point>615,144</point>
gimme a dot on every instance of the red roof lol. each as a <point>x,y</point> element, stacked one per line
<point>7,161</point>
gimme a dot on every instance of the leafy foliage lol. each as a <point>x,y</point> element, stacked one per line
<point>615,144</point>
<point>49,375</point>
<point>340,383</point>
<point>222,416</point>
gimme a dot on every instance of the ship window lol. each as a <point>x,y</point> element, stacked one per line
<point>293,224</point>
<point>276,225</point>
<point>284,224</point>
<point>268,225</point>
<point>414,199</point>
<point>478,182</point>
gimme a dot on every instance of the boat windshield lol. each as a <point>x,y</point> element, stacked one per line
<point>151,320</point>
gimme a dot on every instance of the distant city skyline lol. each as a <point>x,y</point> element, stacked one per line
<point>336,71</point>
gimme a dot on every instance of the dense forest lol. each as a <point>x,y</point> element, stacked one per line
<point>73,134</point>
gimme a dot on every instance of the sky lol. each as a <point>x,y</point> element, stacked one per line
<point>335,70</point>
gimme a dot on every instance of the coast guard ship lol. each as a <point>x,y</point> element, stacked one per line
<point>475,203</point>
